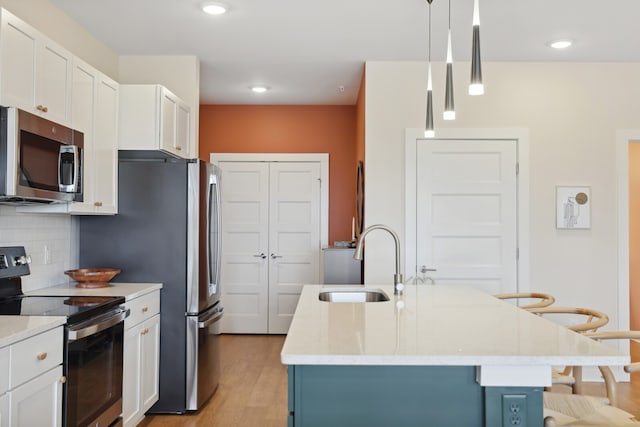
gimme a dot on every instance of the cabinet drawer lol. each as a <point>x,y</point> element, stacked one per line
<point>4,370</point>
<point>142,308</point>
<point>35,355</point>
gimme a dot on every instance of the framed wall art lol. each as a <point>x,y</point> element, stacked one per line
<point>573,207</point>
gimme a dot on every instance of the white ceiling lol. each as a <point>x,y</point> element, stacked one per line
<point>306,50</point>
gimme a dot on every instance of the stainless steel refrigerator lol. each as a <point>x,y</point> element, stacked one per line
<point>167,230</point>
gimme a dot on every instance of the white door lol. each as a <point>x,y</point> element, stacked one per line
<point>466,203</point>
<point>245,242</point>
<point>294,237</point>
<point>271,242</point>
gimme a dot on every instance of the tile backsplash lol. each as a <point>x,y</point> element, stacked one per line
<point>46,237</point>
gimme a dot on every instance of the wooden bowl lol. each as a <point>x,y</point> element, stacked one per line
<point>92,277</point>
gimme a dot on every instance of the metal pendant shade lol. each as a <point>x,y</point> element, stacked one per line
<point>475,86</point>
<point>429,132</point>
<point>449,108</point>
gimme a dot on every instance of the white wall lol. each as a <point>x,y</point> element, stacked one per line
<point>35,232</point>
<point>572,112</point>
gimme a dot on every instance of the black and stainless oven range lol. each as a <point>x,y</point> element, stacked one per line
<point>94,337</point>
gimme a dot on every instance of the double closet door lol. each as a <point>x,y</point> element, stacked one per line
<point>270,242</point>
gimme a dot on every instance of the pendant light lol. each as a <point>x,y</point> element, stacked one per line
<point>429,132</point>
<point>449,109</point>
<point>476,87</point>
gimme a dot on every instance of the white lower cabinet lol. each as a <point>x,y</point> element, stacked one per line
<point>141,357</point>
<point>38,402</point>
<point>4,410</point>
<point>34,388</point>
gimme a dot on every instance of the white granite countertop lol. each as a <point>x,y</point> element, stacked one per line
<point>127,290</point>
<point>17,328</point>
<point>437,326</point>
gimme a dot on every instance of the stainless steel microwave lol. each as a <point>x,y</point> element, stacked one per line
<point>40,161</point>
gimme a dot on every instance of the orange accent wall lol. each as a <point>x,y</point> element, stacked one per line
<point>634,247</point>
<point>291,129</point>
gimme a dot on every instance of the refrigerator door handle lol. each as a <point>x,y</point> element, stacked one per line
<point>213,202</point>
<point>210,319</point>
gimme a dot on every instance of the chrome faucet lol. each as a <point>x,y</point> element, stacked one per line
<point>398,285</point>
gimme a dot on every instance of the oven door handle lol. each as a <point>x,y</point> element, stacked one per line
<point>211,319</point>
<point>92,327</point>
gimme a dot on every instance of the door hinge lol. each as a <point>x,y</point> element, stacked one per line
<point>517,254</point>
<point>517,168</point>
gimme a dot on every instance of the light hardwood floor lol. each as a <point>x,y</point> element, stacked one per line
<point>253,388</point>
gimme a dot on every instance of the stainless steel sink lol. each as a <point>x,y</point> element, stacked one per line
<point>351,294</point>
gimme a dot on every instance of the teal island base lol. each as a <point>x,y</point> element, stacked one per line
<point>406,396</point>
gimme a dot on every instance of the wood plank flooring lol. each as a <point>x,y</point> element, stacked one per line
<point>253,388</point>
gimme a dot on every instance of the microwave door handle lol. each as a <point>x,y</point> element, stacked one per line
<point>60,160</point>
<point>76,168</point>
<point>64,149</point>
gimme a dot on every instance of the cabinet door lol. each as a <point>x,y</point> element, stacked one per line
<point>132,364</point>
<point>36,73</point>
<point>183,136</point>
<point>18,68</point>
<point>4,410</point>
<point>53,82</point>
<point>83,102</point>
<point>141,369</point>
<point>39,401</point>
<point>105,146</point>
<point>150,371</point>
<point>168,109</point>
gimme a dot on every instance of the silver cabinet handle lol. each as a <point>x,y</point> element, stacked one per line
<point>274,256</point>
<point>261,255</point>
<point>424,269</point>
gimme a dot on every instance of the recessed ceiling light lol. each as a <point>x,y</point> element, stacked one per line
<point>259,88</point>
<point>561,44</point>
<point>214,8</point>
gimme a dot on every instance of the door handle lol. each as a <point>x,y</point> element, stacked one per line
<point>274,256</point>
<point>261,255</point>
<point>424,269</point>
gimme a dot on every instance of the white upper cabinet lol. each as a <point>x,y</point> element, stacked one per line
<point>153,118</point>
<point>35,72</point>
<point>95,113</point>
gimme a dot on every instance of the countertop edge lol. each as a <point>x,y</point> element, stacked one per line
<point>19,328</point>
<point>128,290</point>
<point>395,360</point>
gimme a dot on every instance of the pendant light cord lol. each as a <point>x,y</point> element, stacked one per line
<point>429,34</point>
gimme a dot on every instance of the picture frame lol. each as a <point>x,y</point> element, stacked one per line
<point>573,207</point>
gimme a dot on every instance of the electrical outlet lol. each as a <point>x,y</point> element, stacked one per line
<point>514,410</point>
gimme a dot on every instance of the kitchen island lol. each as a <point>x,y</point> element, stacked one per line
<point>435,356</point>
